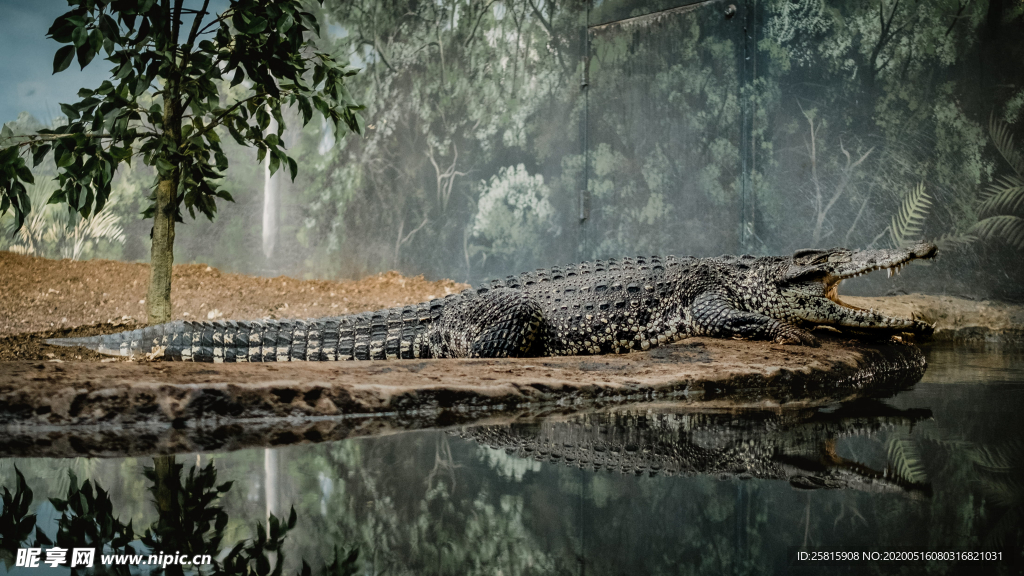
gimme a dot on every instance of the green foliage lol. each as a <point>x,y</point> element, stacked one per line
<point>16,524</point>
<point>262,555</point>
<point>1001,477</point>
<point>193,524</point>
<point>908,223</point>
<point>52,232</point>
<point>904,460</point>
<point>886,74</point>
<point>347,566</point>
<point>87,521</point>
<point>457,91</point>
<point>1004,197</point>
<point>514,210</point>
<point>163,104</point>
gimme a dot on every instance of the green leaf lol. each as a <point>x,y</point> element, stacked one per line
<point>63,58</point>
<point>39,154</point>
<point>164,166</point>
<point>124,70</point>
<point>65,159</point>
<point>85,55</point>
<point>79,36</point>
<point>24,173</point>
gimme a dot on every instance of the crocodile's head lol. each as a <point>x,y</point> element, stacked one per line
<point>810,281</point>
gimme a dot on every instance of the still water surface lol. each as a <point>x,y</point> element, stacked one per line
<point>638,490</point>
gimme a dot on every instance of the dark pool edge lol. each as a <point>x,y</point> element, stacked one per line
<point>223,417</point>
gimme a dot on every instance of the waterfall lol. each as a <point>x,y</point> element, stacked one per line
<point>271,190</point>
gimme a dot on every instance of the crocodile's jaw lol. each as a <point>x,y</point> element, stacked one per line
<point>812,294</point>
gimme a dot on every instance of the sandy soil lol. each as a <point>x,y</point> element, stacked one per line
<point>93,408</point>
<point>42,298</point>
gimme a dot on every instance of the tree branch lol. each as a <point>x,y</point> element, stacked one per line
<point>472,32</point>
<point>194,33</point>
<point>217,121</point>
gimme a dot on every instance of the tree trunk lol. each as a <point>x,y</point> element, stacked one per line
<point>158,299</point>
<point>166,491</point>
<point>167,487</point>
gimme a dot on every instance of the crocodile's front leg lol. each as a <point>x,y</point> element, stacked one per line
<point>501,323</point>
<point>713,315</point>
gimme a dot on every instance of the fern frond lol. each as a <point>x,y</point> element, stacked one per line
<point>954,241</point>
<point>1003,140</point>
<point>909,220</point>
<point>102,226</point>
<point>1008,228</point>
<point>1005,195</point>
<point>22,249</point>
<point>904,460</point>
<point>1004,492</point>
<point>1004,458</point>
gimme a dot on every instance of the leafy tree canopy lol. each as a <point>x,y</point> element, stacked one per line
<point>163,102</point>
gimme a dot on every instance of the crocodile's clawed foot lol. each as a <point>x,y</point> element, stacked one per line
<point>923,328</point>
<point>797,337</point>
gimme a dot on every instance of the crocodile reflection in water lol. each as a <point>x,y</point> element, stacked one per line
<point>796,446</point>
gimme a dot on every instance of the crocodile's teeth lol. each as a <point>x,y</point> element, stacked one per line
<point>890,272</point>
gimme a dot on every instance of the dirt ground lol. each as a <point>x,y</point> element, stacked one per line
<point>46,391</point>
<point>42,298</point>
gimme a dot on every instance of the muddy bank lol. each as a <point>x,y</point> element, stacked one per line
<point>139,407</point>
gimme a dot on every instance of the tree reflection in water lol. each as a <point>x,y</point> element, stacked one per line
<point>189,523</point>
<point>653,489</point>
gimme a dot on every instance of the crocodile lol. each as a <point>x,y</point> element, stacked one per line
<point>599,307</point>
<point>801,447</point>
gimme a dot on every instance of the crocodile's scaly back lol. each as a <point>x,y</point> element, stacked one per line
<point>610,306</point>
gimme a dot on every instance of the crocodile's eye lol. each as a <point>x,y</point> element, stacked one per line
<point>810,256</point>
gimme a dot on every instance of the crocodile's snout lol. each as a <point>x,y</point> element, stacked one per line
<point>925,250</point>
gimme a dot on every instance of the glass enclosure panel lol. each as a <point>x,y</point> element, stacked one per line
<point>663,133</point>
<point>878,124</point>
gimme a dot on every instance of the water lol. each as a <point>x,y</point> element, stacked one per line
<point>937,468</point>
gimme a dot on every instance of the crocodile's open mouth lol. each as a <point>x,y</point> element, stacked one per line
<point>891,262</point>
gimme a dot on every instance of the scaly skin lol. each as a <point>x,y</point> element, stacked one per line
<point>793,446</point>
<point>601,307</point>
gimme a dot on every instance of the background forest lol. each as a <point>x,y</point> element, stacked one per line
<point>507,135</point>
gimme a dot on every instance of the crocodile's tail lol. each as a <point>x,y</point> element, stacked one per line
<point>385,334</point>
